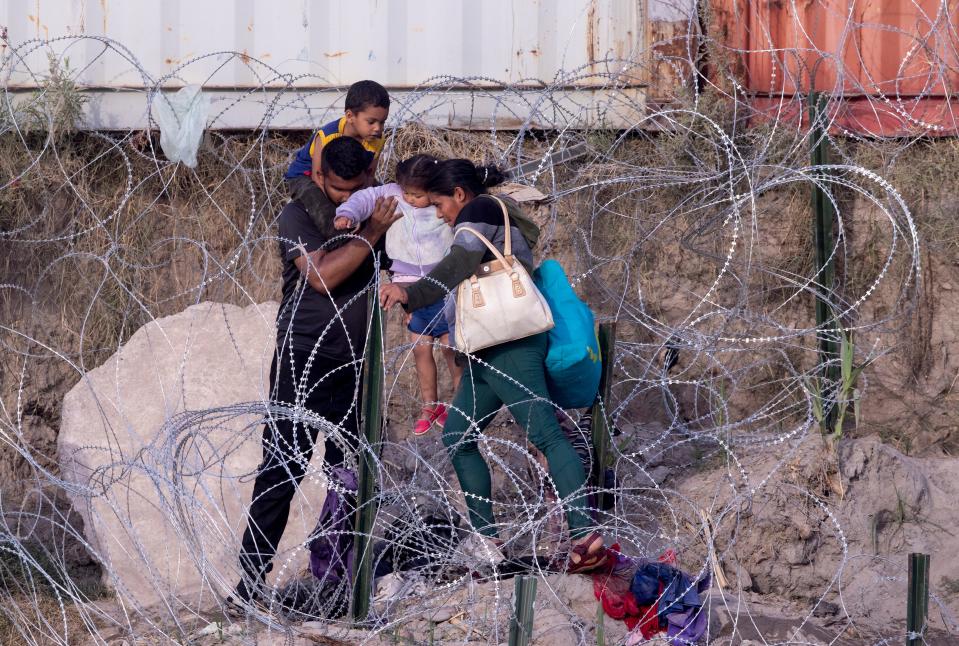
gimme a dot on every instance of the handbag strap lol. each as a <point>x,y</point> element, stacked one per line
<point>489,245</point>
<point>507,238</point>
<point>518,290</point>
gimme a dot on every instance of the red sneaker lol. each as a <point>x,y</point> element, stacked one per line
<point>427,417</point>
<point>440,420</point>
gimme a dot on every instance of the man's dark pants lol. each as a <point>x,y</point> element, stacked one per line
<point>330,389</point>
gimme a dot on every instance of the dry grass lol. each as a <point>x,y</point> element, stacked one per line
<point>926,173</point>
<point>97,261</point>
<point>34,605</point>
<point>418,139</point>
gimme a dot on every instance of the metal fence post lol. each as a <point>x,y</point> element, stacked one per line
<point>521,623</point>
<point>917,601</point>
<point>600,424</point>
<point>824,214</point>
<point>372,429</point>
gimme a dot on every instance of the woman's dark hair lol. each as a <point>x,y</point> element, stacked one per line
<point>463,173</point>
<point>416,171</point>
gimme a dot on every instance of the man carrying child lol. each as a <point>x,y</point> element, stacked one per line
<point>317,366</point>
<point>367,107</point>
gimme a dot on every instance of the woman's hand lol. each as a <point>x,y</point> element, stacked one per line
<point>392,294</point>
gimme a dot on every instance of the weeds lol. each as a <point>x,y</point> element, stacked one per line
<point>57,109</point>
<point>845,391</point>
<point>28,569</point>
<point>36,596</point>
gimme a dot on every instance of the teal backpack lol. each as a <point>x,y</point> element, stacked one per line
<point>573,364</point>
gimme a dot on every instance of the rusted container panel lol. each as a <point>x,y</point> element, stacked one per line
<point>856,47</point>
<point>864,115</point>
<point>890,66</point>
<point>914,52</point>
<point>672,32</point>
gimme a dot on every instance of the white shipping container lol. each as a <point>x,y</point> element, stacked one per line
<point>286,63</point>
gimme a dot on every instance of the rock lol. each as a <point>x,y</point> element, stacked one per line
<point>826,609</point>
<point>442,614</point>
<point>740,576</point>
<point>659,474</point>
<point>718,605</point>
<point>795,553</point>
<point>317,632</point>
<point>163,495</point>
<point>553,628</point>
<point>787,548</point>
<point>575,592</point>
<point>38,433</point>
<point>801,523</point>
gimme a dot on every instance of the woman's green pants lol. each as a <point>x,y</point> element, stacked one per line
<point>513,374</point>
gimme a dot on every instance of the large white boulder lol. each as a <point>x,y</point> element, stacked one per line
<point>158,448</point>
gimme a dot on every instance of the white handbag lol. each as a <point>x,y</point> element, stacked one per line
<point>498,303</point>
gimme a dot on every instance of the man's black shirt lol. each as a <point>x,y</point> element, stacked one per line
<point>336,323</point>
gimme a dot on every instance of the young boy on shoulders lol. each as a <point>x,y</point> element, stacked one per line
<point>367,107</point>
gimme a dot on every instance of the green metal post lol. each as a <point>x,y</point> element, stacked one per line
<point>521,623</point>
<point>825,214</point>
<point>607,346</point>
<point>372,427</point>
<point>917,603</point>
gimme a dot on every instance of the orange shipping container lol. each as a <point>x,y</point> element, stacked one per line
<point>890,66</point>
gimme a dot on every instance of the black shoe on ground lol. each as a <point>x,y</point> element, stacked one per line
<point>248,596</point>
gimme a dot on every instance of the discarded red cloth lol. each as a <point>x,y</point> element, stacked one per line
<point>611,589</point>
<point>648,622</point>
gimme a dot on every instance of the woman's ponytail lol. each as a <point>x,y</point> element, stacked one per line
<point>490,176</point>
<point>464,174</point>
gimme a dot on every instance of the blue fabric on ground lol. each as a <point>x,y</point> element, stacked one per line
<point>678,598</point>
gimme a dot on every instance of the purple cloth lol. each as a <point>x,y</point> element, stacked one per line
<point>331,550</point>
<point>679,600</point>
<point>686,628</point>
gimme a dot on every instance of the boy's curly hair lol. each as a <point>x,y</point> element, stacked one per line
<point>367,94</point>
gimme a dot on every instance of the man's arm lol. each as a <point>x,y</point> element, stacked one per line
<point>326,270</point>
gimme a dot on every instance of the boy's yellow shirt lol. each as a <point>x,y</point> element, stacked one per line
<point>334,129</point>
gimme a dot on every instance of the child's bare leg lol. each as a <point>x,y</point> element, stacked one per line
<point>456,372</point>
<point>425,367</point>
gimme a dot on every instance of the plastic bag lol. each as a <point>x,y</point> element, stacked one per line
<point>182,118</point>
